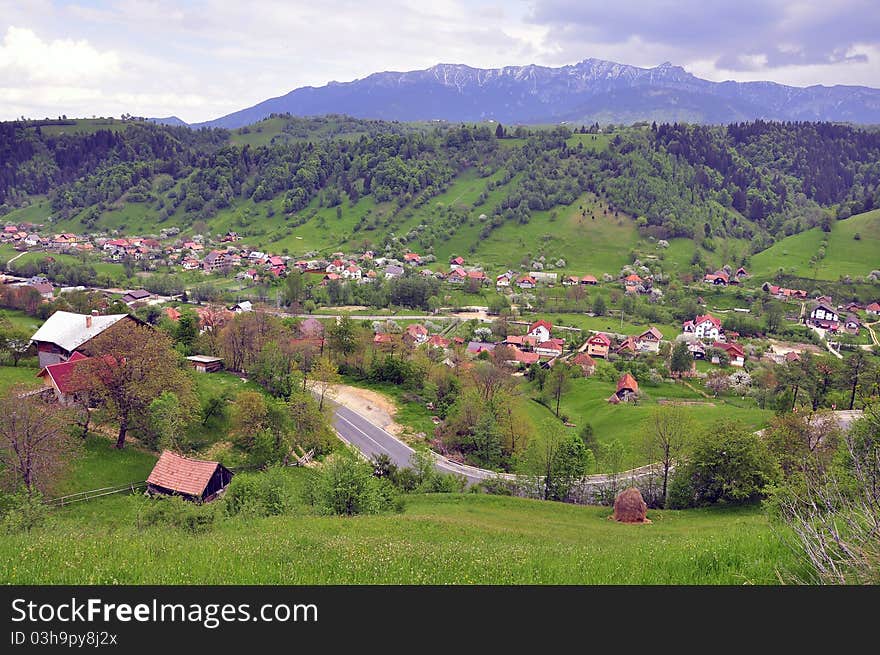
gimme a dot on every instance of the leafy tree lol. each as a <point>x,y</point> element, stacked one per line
<point>168,420</point>
<point>558,458</point>
<point>728,463</point>
<point>680,360</point>
<point>136,365</point>
<point>325,374</point>
<point>345,485</point>
<point>35,446</point>
<point>599,308</point>
<point>186,330</point>
<point>558,382</point>
<point>343,336</point>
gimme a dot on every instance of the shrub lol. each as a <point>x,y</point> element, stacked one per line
<point>346,486</point>
<point>259,494</point>
<point>24,512</point>
<point>176,512</point>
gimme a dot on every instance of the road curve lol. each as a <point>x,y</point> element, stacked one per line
<point>372,440</point>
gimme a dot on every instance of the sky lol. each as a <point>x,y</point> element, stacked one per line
<point>201,59</point>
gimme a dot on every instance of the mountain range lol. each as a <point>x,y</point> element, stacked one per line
<point>589,91</point>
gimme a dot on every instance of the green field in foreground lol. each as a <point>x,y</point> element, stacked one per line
<point>438,539</point>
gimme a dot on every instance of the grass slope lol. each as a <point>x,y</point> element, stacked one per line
<point>439,539</point>
<point>844,255</point>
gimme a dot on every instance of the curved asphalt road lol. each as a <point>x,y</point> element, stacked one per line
<point>372,440</point>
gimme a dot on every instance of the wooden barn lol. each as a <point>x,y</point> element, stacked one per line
<point>206,364</point>
<point>193,479</point>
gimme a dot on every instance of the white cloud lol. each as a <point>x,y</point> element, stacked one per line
<point>25,58</point>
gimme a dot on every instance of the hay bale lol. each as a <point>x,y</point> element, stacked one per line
<point>630,507</point>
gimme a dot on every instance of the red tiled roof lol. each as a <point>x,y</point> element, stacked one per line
<point>601,338</point>
<point>707,317</point>
<point>627,381</point>
<point>182,474</point>
<point>583,359</point>
<point>62,373</point>
<point>541,323</point>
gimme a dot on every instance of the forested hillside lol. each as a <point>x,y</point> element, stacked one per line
<point>758,181</point>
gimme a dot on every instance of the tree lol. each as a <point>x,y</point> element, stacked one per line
<point>802,441</point>
<point>728,463</point>
<point>599,308</point>
<point>346,485</point>
<point>558,382</point>
<point>186,330</point>
<point>294,288</point>
<point>832,514</point>
<point>557,458</point>
<point>343,335</point>
<point>499,131</point>
<point>167,421</point>
<point>16,342</point>
<point>325,374</point>
<point>667,434</point>
<point>853,369</point>
<point>136,364</point>
<point>34,443</point>
<point>272,370</point>
<point>680,361</point>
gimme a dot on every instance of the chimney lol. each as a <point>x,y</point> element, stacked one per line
<point>88,321</point>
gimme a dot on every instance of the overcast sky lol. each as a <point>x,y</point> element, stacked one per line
<point>201,59</point>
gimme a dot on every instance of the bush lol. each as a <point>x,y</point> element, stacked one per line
<point>24,512</point>
<point>259,494</point>
<point>176,512</point>
<point>346,486</point>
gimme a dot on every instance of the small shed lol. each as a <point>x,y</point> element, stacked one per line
<point>206,364</point>
<point>193,479</point>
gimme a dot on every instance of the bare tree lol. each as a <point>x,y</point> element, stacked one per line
<point>667,434</point>
<point>34,443</point>
<point>832,518</point>
<point>325,375</point>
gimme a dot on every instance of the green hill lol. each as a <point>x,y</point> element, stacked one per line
<point>438,539</point>
<point>844,254</point>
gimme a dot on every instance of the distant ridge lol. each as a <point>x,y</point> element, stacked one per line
<point>591,90</point>
<point>170,120</point>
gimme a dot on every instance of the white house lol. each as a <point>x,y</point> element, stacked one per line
<point>540,330</point>
<point>704,327</point>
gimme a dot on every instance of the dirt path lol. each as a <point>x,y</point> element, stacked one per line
<point>372,405</point>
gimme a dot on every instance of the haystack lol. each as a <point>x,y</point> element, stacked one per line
<point>630,507</point>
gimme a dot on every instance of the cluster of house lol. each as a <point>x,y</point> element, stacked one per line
<point>723,278</point>
<point>64,344</point>
<point>825,316</point>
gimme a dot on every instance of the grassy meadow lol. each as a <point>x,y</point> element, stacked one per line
<point>845,255</point>
<point>438,539</point>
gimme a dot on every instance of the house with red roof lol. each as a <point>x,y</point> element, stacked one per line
<point>456,261</point>
<point>63,378</point>
<point>873,309</point>
<point>550,348</point>
<point>412,258</point>
<point>586,363</point>
<point>540,330</point>
<point>526,282</point>
<point>627,390</point>
<point>589,279</point>
<point>480,276</point>
<point>570,280</point>
<point>524,357</point>
<point>415,334</point>
<point>649,340</point>
<point>704,326</point>
<point>193,479</point>
<point>598,345</point>
<point>436,341</point>
<point>734,351</point>
<point>456,275</point>
<point>718,278</point>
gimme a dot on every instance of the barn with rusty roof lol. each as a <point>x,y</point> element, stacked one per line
<point>194,479</point>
